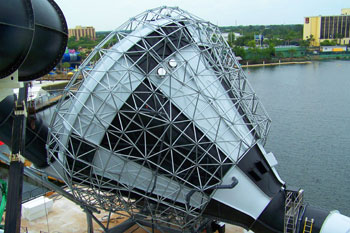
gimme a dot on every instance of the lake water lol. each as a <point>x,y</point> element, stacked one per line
<point>309,105</point>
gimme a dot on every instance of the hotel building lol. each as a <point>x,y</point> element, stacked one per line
<point>80,31</point>
<point>328,28</point>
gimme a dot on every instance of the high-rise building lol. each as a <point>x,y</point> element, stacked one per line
<point>345,11</point>
<point>321,28</point>
<point>80,31</point>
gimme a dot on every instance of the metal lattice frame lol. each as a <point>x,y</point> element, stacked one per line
<point>155,117</point>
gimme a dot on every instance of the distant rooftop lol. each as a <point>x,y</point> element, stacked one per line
<point>81,27</point>
<point>344,11</point>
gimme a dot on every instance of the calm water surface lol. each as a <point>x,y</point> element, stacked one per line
<point>309,106</point>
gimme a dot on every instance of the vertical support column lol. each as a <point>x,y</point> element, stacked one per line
<point>15,182</point>
<point>90,228</point>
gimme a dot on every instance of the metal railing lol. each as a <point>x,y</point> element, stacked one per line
<point>293,203</point>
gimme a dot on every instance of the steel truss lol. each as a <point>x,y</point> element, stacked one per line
<point>159,109</point>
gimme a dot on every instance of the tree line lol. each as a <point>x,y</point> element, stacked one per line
<point>277,34</point>
<point>274,35</point>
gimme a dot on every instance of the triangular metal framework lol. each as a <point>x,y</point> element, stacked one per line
<point>160,108</point>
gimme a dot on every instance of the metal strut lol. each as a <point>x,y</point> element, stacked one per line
<point>222,186</point>
<point>15,182</point>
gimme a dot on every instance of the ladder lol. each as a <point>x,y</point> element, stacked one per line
<point>293,203</point>
<point>308,225</point>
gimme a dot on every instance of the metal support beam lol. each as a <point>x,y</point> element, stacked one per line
<point>158,227</point>
<point>109,218</point>
<point>90,227</point>
<point>15,182</point>
<point>122,227</point>
<point>95,219</point>
<point>42,180</point>
<point>34,175</point>
<point>14,198</point>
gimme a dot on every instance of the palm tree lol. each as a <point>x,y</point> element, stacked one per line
<point>311,40</point>
<point>339,36</point>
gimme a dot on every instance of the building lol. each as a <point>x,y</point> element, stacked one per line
<point>259,39</point>
<point>226,35</point>
<point>321,28</point>
<point>80,31</point>
<point>345,11</point>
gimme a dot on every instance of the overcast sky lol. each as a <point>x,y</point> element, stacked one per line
<point>109,14</point>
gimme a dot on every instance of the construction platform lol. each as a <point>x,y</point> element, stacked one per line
<point>65,216</point>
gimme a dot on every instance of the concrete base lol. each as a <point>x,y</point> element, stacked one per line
<point>36,208</point>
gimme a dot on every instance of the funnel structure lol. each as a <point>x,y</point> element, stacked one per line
<point>161,123</point>
<point>33,37</point>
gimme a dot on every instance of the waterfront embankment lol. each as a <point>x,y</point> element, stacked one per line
<point>295,60</point>
<point>276,64</point>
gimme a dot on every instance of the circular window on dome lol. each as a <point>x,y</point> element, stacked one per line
<point>172,63</point>
<point>161,72</point>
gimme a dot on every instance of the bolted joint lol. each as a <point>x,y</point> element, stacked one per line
<point>17,158</point>
<point>20,109</point>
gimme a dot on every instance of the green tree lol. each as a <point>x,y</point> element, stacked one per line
<point>271,50</point>
<point>339,38</point>
<point>243,40</point>
<point>283,34</point>
<point>325,43</point>
<point>251,44</point>
<point>311,40</point>
<point>328,43</point>
<point>334,42</point>
<point>231,39</point>
<point>72,38</point>
<point>304,43</point>
<point>288,37</point>
<point>239,51</point>
<point>84,55</point>
<point>273,41</point>
<point>65,65</point>
<point>255,54</point>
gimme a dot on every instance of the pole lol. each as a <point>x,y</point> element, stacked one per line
<point>15,182</point>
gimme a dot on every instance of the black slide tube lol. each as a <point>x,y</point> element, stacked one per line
<point>36,133</point>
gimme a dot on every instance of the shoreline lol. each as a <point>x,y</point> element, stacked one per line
<point>277,63</point>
